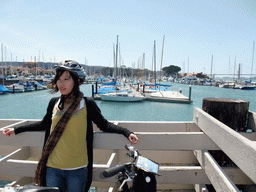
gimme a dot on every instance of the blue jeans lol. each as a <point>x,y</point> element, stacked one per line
<point>67,180</point>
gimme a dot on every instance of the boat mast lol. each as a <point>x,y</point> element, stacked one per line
<point>2,50</point>
<point>239,72</point>
<point>39,60</point>
<point>143,65</point>
<point>119,64</point>
<point>229,68</point>
<point>151,74</point>
<point>11,65</point>
<point>211,65</point>
<point>43,63</point>
<point>5,61</point>
<point>36,67</point>
<point>161,64</point>
<point>235,69</point>
<point>116,57</point>
<point>188,64</point>
<point>252,57</point>
<point>155,61</point>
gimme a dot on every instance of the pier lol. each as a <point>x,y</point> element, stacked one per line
<point>162,97</point>
<point>181,148</point>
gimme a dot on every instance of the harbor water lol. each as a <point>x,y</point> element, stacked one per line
<point>32,105</point>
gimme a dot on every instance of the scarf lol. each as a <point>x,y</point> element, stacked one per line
<point>54,138</point>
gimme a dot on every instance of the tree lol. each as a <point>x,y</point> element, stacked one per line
<point>107,71</point>
<point>201,75</point>
<point>172,70</point>
<point>30,64</point>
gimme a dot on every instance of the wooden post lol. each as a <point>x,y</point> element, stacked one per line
<point>96,87</point>
<point>190,93</point>
<point>231,112</point>
<point>92,91</point>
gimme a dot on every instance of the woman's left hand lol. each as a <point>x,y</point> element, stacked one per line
<point>133,138</point>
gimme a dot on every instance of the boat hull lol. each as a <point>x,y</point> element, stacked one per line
<point>29,89</point>
<point>247,88</point>
<point>121,97</point>
<point>16,89</point>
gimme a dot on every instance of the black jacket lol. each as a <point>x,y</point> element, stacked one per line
<point>93,115</point>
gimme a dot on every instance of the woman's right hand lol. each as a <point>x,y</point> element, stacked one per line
<point>8,132</point>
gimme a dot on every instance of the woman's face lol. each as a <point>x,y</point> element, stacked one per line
<point>65,83</point>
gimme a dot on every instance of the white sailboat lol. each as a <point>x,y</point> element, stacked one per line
<point>16,88</point>
<point>160,94</point>
<point>122,97</point>
<point>171,95</point>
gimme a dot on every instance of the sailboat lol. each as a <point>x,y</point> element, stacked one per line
<point>16,87</point>
<point>122,97</point>
<point>3,89</point>
<point>119,94</point>
<point>160,94</point>
<point>170,95</point>
<point>29,86</point>
<point>249,85</point>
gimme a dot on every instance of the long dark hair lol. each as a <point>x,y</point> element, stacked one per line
<point>76,80</point>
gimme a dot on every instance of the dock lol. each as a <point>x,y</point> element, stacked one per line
<point>169,97</point>
<point>155,99</point>
<point>181,148</point>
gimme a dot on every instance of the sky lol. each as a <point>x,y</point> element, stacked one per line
<point>209,36</point>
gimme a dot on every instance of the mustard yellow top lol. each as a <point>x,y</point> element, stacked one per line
<point>71,149</point>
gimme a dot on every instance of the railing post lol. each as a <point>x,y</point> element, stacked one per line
<point>231,112</point>
<point>190,87</point>
<point>92,91</point>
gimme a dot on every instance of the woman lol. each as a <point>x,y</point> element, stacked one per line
<point>67,155</point>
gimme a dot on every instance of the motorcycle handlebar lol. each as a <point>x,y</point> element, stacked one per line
<point>113,170</point>
<point>129,147</point>
<point>134,152</point>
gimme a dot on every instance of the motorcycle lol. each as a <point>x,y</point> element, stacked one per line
<point>136,176</point>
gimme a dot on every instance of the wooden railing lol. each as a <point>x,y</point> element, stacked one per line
<point>180,147</point>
